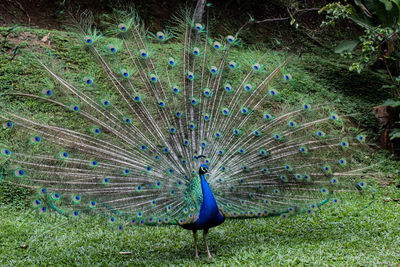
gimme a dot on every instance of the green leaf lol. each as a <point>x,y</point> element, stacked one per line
<point>395,134</point>
<point>392,103</point>
<point>347,45</point>
<point>386,17</point>
<point>387,86</point>
<point>388,4</point>
<point>362,20</point>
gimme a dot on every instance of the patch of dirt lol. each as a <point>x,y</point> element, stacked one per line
<point>224,15</point>
<point>28,37</point>
<point>32,38</point>
<point>56,14</point>
<point>40,13</point>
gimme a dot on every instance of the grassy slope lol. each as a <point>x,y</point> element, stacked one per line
<point>350,236</point>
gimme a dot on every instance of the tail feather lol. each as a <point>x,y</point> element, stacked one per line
<point>129,140</point>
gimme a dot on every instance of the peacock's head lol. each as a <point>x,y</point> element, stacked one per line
<point>203,169</point>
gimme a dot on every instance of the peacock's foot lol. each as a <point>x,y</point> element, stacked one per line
<point>196,253</point>
<point>205,241</point>
<point>209,257</point>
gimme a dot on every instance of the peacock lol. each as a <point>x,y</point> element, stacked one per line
<point>175,128</point>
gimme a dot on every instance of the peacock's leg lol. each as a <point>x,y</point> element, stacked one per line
<point>205,241</point>
<point>195,243</point>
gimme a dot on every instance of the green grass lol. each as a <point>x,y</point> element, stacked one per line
<point>345,235</point>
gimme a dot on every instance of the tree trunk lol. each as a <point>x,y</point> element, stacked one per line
<point>386,117</point>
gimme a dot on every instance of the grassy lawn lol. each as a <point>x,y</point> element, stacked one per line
<point>345,235</point>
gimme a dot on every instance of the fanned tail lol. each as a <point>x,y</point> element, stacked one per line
<point>126,143</point>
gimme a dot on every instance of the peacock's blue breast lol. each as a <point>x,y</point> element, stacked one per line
<point>209,215</point>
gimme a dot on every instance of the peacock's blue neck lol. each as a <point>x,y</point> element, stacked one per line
<point>209,214</point>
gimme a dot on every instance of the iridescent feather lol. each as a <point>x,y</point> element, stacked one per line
<point>182,131</point>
